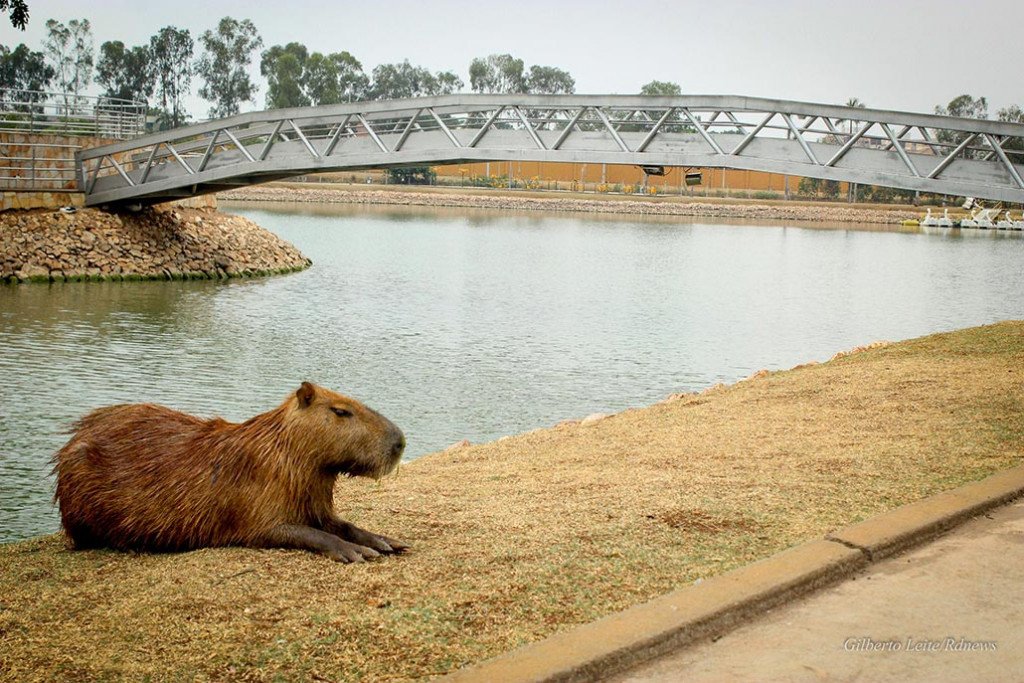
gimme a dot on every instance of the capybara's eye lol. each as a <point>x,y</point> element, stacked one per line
<point>341,412</point>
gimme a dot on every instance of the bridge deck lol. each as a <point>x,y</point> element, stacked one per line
<point>938,154</point>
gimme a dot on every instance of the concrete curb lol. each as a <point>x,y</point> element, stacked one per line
<point>897,530</point>
<point>624,639</point>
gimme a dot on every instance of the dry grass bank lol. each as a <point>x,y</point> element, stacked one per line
<point>520,538</point>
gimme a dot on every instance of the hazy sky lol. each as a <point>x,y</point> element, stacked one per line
<point>899,54</point>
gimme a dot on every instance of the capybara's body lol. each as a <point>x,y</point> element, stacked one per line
<point>145,477</point>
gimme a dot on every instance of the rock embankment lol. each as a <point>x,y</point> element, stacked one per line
<point>156,243</point>
<point>606,204</point>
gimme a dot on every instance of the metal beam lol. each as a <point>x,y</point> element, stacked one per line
<point>270,141</point>
<point>608,125</point>
<point>654,131</point>
<point>839,134</point>
<point>739,124</point>
<point>752,134</point>
<point>807,125</point>
<point>899,136</point>
<point>529,128</point>
<point>335,137</point>
<point>120,171</point>
<point>951,156</point>
<point>800,139</point>
<point>309,147</point>
<point>373,134</point>
<point>244,151</point>
<point>490,120</point>
<point>1001,153</point>
<point>95,175</point>
<point>149,164</point>
<point>568,128</point>
<point>177,157</point>
<point>447,131</point>
<point>899,150</point>
<point>405,131</point>
<point>703,133</point>
<point>208,152</point>
<point>849,144</point>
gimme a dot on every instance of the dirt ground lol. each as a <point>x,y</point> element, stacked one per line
<point>533,534</point>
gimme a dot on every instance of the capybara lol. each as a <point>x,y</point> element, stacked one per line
<point>145,477</point>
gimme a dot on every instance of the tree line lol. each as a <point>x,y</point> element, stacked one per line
<point>162,70</point>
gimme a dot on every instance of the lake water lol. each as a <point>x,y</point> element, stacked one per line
<point>464,324</point>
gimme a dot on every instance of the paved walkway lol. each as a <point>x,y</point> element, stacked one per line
<point>952,610</point>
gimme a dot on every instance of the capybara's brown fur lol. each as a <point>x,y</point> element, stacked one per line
<point>145,477</point>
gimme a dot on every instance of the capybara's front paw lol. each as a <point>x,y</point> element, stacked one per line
<point>351,552</point>
<point>381,544</point>
<point>395,545</point>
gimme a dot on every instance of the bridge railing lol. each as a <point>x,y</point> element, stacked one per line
<point>901,149</point>
<point>49,113</point>
<point>40,132</point>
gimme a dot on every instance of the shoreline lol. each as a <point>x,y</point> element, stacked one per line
<point>696,207</point>
<point>543,531</point>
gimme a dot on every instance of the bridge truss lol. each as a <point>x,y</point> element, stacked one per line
<point>937,154</point>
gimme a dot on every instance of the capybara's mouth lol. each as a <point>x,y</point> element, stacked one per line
<point>396,460</point>
<point>359,468</point>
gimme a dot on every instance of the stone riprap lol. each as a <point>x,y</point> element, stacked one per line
<point>606,204</point>
<point>156,243</point>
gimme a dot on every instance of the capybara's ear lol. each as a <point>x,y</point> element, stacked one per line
<point>305,394</point>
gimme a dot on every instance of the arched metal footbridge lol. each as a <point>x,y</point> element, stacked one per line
<point>939,154</point>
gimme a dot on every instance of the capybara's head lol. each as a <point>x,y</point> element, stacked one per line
<point>344,436</point>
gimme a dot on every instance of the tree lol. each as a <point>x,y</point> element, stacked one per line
<point>497,73</point>
<point>549,80</point>
<point>126,74</point>
<point>337,77</point>
<point>661,88</point>
<point>321,80</point>
<point>851,124</point>
<point>446,82</point>
<point>1012,114</point>
<point>816,187</point>
<point>392,81</point>
<point>171,49</point>
<point>22,69</point>
<point>966,107</point>
<point>69,49</point>
<point>18,10</point>
<point>296,78</point>
<point>284,68</point>
<point>412,175</point>
<point>353,84</point>
<point>224,65</point>
<point>963,106</point>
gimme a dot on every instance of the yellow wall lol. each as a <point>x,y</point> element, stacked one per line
<point>625,175</point>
